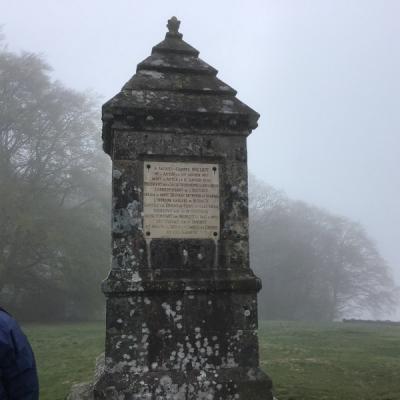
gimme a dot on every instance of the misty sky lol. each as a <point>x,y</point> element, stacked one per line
<point>324,75</point>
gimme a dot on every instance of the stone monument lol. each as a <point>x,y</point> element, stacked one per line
<point>181,297</point>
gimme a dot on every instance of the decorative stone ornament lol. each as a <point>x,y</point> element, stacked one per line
<point>173,27</point>
<point>181,297</point>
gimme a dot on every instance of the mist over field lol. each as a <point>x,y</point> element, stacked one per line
<point>323,75</point>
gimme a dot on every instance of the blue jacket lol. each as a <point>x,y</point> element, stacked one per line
<point>18,376</point>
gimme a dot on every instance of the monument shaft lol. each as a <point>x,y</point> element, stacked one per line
<point>181,297</point>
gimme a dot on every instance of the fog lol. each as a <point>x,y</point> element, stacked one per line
<point>323,75</point>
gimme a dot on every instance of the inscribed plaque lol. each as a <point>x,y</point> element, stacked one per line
<point>181,200</point>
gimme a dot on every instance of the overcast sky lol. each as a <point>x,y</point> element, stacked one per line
<point>324,75</point>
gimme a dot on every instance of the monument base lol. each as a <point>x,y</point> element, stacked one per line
<point>145,361</point>
<point>221,384</point>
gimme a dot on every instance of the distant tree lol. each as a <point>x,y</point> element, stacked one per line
<point>314,265</point>
<point>53,192</point>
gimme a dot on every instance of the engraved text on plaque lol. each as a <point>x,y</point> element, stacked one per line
<point>181,200</point>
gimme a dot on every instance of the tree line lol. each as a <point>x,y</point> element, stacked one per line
<point>314,265</point>
<point>54,217</point>
<point>54,201</point>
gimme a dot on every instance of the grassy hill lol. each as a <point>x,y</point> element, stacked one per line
<point>306,361</point>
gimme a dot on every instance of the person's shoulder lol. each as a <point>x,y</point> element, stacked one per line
<point>11,334</point>
<point>7,324</point>
<point>6,318</point>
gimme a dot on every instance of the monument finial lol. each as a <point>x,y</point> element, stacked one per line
<point>173,27</point>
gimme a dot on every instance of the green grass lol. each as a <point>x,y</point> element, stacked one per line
<point>65,354</point>
<point>332,361</point>
<point>306,361</point>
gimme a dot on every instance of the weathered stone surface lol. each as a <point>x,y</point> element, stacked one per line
<point>181,313</point>
<point>81,391</point>
<point>84,391</point>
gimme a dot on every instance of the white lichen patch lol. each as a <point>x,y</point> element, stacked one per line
<point>116,173</point>
<point>152,74</point>
<point>136,277</point>
<point>158,62</point>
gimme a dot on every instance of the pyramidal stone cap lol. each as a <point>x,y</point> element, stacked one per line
<point>174,90</point>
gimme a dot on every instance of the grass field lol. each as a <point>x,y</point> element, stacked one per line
<point>306,361</point>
